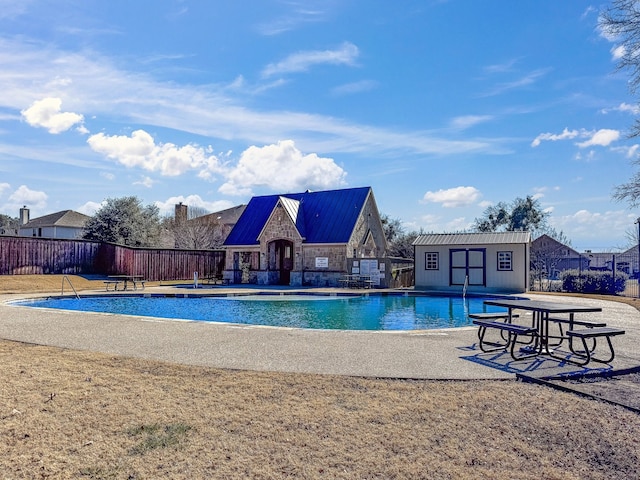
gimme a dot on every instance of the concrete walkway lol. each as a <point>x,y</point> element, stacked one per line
<point>425,354</point>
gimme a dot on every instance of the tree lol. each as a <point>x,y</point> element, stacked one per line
<point>400,242</point>
<point>621,22</point>
<point>199,230</point>
<point>392,227</point>
<point>548,251</point>
<point>125,221</point>
<point>8,225</point>
<point>524,214</point>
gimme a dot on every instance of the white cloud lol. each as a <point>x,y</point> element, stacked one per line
<point>468,121</point>
<point>140,150</point>
<point>623,107</point>
<point>193,201</point>
<point>11,9</point>
<point>602,137</point>
<point>296,15</point>
<point>589,157</point>
<point>566,134</point>
<point>629,152</point>
<point>3,187</point>
<point>302,61</point>
<point>585,225</point>
<point>281,167</point>
<point>214,110</point>
<point>501,67</point>
<point>355,87</point>
<point>25,196</point>
<point>47,113</point>
<point>434,223</point>
<point>454,197</point>
<point>90,208</point>
<point>618,52</point>
<point>145,182</point>
<point>540,192</point>
<point>524,81</point>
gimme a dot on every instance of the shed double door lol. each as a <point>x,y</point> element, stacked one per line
<point>467,263</point>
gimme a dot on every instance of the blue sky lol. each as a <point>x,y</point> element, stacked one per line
<point>442,107</point>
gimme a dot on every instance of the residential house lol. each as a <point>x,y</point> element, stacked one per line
<point>204,231</point>
<point>549,257</point>
<point>66,224</point>
<point>309,238</point>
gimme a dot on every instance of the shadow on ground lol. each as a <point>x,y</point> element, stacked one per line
<point>617,382</point>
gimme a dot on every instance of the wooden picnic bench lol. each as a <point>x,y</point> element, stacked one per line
<point>115,284</point>
<point>125,279</point>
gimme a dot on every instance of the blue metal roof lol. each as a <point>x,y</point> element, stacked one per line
<point>322,217</point>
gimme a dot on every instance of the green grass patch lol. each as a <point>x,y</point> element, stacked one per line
<point>157,436</point>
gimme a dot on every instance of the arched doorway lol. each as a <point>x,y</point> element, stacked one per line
<point>283,260</point>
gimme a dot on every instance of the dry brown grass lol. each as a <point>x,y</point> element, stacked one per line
<point>69,414</point>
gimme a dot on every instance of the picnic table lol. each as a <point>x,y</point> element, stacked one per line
<point>116,280</point>
<point>538,333</point>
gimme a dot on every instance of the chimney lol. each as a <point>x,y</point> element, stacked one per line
<point>180,215</point>
<point>24,215</point>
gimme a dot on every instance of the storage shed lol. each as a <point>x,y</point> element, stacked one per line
<point>473,262</point>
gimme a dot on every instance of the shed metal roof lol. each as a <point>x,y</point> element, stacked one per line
<point>472,238</point>
<point>321,217</point>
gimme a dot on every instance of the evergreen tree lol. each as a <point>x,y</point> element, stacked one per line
<point>125,221</point>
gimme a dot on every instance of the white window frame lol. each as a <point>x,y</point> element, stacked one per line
<point>432,260</point>
<point>505,261</point>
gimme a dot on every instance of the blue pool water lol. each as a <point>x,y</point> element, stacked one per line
<point>373,312</point>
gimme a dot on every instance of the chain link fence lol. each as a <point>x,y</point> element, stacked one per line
<point>546,273</point>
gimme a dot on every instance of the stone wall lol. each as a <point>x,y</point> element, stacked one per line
<point>368,224</point>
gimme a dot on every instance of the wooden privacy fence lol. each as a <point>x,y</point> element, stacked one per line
<point>159,264</point>
<point>27,255</point>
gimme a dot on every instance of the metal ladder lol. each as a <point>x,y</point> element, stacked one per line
<point>70,284</point>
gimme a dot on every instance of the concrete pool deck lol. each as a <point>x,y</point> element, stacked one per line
<point>425,354</point>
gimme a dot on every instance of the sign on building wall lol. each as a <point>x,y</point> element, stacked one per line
<point>322,262</point>
<point>371,268</point>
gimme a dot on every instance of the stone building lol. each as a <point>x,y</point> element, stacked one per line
<point>310,238</point>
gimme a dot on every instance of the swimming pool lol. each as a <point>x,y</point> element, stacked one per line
<point>369,312</point>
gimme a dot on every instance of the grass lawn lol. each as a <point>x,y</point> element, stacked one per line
<point>71,414</point>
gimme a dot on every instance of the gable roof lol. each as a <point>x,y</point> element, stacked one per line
<point>545,243</point>
<point>228,216</point>
<point>321,217</point>
<point>490,238</point>
<point>292,207</point>
<point>65,218</point>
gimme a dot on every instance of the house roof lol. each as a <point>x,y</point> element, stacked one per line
<point>228,216</point>
<point>472,238</point>
<point>546,243</point>
<point>321,217</point>
<point>65,218</point>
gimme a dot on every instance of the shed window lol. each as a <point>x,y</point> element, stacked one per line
<point>505,261</point>
<point>431,261</point>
